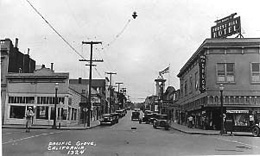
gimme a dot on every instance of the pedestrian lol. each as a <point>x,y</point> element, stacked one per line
<point>29,115</point>
<point>190,121</point>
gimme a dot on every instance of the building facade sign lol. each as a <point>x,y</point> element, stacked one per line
<point>226,27</point>
<point>238,111</point>
<point>202,64</point>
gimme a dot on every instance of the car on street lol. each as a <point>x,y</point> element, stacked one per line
<point>107,119</point>
<point>148,112</point>
<point>121,112</point>
<point>145,118</point>
<point>115,117</point>
<point>161,121</point>
<point>153,117</point>
<point>135,115</point>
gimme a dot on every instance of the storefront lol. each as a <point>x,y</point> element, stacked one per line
<point>43,108</point>
<point>39,91</point>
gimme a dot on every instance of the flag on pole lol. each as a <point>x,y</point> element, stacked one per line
<point>166,70</point>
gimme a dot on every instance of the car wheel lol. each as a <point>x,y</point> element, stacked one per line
<point>154,125</point>
<point>255,131</point>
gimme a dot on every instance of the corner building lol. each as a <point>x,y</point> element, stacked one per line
<point>37,90</point>
<point>233,62</point>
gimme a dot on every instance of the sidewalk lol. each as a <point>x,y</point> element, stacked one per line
<point>70,127</point>
<point>185,129</point>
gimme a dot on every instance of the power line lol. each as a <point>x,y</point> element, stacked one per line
<point>55,30</point>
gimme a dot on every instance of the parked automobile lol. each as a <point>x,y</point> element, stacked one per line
<point>116,117</point>
<point>107,119</point>
<point>135,115</point>
<point>242,121</point>
<point>153,117</point>
<point>161,121</point>
<point>146,118</point>
<point>148,112</point>
<point>120,112</point>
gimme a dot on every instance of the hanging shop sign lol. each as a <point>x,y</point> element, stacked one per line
<point>202,65</point>
<point>227,26</point>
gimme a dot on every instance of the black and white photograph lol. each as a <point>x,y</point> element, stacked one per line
<point>130,77</point>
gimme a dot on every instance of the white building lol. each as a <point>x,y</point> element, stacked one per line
<point>38,91</point>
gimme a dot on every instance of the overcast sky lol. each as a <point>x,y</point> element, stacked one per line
<point>165,32</point>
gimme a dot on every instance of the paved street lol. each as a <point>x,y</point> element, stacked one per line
<point>125,138</point>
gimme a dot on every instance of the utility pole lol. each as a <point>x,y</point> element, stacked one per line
<point>89,104</point>
<point>119,96</point>
<point>110,89</point>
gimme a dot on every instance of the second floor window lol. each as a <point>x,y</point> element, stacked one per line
<point>186,88</point>
<point>225,72</point>
<point>255,77</point>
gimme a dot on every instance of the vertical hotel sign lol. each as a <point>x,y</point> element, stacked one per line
<point>202,65</point>
<point>226,27</point>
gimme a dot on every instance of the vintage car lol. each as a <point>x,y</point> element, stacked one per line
<point>242,121</point>
<point>153,117</point>
<point>161,121</point>
<point>145,118</point>
<point>116,117</point>
<point>121,112</point>
<point>107,119</point>
<point>135,115</point>
<point>148,112</point>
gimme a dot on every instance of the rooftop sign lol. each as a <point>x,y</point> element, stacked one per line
<point>227,26</point>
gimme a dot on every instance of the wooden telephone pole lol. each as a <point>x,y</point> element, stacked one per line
<point>110,90</point>
<point>89,104</point>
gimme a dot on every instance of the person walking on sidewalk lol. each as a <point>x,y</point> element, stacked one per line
<point>190,121</point>
<point>29,115</point>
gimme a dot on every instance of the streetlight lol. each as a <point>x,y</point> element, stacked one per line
<point>221,88</point>
<point>55,106</point>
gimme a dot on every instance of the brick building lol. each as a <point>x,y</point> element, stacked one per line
<point>233,62</point>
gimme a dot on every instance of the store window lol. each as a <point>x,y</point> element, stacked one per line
<point>241,119</point>
<point>255,72</point>
<point>69,114</point>
<point>225,72</point>
<point>20,99</point>
<point>75,114</point>
<point>61,113</point>
<point>17,112</point>
<point>64,114</point>
<point>49,100</point>
<point>42,112</point>
<point>52,113</point>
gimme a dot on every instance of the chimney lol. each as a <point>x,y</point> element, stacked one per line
<point>80,80</point>
<point>51,66</point>
<point>16,43</point>
<point>28,52</point>
<point>43,66</point>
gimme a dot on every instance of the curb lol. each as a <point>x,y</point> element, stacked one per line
<point>62,128</point>
<point>193,133</point>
